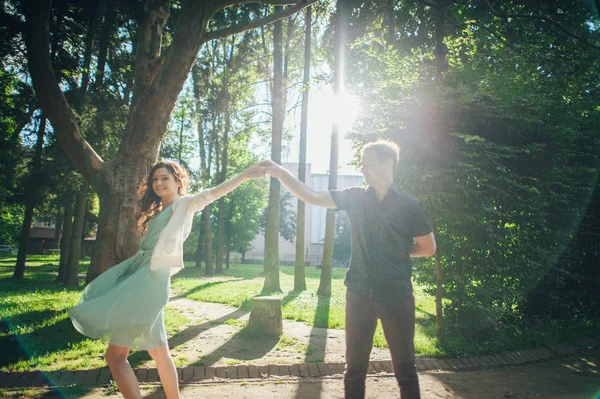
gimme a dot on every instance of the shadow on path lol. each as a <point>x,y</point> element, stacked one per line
<point>321,320</point>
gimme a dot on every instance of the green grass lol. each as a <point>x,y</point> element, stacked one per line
<point>285,341</point>
<point>241,283</point>
<point>35,331</point>
<point>535,335</point>
<point>37,334</point>
<point>236,323</point>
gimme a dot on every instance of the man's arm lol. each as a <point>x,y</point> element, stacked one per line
<point>423,247</point>
<point>298,188</point>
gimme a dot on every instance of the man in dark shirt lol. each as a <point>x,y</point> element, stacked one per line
<point>387,227</point>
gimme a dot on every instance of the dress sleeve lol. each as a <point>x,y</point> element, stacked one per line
<point>200,200</point>
<point>347,199</point>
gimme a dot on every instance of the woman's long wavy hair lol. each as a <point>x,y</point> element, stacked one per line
<point>149,202</point>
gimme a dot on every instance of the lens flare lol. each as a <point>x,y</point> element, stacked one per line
<point>340,111</point>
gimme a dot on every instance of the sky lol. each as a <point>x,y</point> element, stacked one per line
<point>323,109</point>
<point>322,112</point>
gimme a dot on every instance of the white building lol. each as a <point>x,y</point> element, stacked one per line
<point>314,233</point>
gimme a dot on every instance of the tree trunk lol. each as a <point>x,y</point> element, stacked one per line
<point>208,259</point>
<point>218,157</point>
<point>204,174</point>
<point>105,35</point>
<point>338,87</point>
<point>65,241</point>
<point>271,283</point>
<point>299,272</point>
<point>31,200</point>
<point>57,230</point>
<point>220,228</point>
<point>221,211</point>
<point>98,133</point>
<point>118,233</point>
<point>87,56</point>
<point>440,32</point>
<point>19,272</point>
<point>439,294</point>
<point>72,277</point>
<point>266,316</point>
<point>80,204</point>
<point>208,236</point>
<point>286,61</point>
<point>461,285</point>
<point>228,233</point>
<point>442,66</point>
<point>199,254</point>
<point>181,129</point>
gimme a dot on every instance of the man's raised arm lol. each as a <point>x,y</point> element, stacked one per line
<point>298,188</point>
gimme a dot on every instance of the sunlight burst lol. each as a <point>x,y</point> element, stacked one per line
<point>341,110</point>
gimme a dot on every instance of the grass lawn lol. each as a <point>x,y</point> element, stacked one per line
<point>243,282</point>
<point>35,331</point>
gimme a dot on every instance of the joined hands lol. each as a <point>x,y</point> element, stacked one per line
<point>253,172</point>
<point>271,168</point>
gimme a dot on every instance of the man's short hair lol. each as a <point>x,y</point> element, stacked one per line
<point>384,149</point>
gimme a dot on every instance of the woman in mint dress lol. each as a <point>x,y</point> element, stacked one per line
<point>124,305</point>
<point>110,307</point>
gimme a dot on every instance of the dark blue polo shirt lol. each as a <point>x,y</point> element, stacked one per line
<point>382,234</point>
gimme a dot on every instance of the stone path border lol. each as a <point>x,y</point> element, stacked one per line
<point>189,375</point>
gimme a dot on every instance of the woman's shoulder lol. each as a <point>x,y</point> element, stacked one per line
<point>194,202</point>
<point>182,200</point>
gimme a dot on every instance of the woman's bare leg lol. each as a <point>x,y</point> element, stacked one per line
<point>166,371</point>
<point>116,357</point>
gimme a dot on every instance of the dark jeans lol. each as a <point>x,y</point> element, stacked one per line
<point>398,320</point>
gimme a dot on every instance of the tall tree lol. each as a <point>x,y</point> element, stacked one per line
<point>299,275</point>
<point>65,239</point>
<point>204,245</point>
<point>32,198</point>
<point>226,90</point>
<point>221,213</point>
<point>338,90</point>
<point>72,269</point>
<point>62,62</point>
<point>271,283</point>
<point>441,66</point>
<point>95,137</point>
<point>159,77</point>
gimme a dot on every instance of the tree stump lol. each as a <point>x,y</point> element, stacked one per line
<point>265,316</point>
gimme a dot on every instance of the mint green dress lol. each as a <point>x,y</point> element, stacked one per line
<point>124,305</point>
